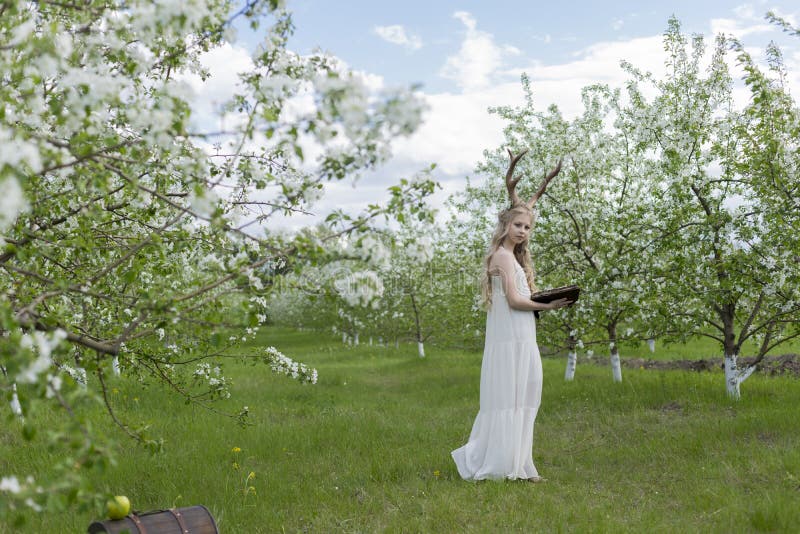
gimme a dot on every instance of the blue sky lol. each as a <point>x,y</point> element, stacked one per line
<point>468,55</point>
<point>549,32</point>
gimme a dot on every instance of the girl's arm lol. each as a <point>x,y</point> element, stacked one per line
<point>503,263</point>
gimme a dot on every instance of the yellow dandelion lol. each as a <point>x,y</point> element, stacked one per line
<point>236,449</point>
<point>236,466</point>
<point>251,476</point>
<point>436,473</point>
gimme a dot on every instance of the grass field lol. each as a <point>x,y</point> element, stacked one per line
<point>699,348</point>
<point>368,450</point>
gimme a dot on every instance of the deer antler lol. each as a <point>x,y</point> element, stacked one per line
<point>511,180</point>
<point>552,174</point>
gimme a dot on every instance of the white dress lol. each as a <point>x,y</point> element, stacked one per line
<point>501,442</point>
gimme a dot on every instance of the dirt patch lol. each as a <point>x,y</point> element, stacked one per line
<point>785,364</point>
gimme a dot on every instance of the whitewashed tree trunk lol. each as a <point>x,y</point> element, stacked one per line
<point>420,345</point>
<point>355,339</point>
<point>115,365</point>
<point>572,362</point>
<point>735,376</point>
<point>344,338</point>
<point>616,366</point>
<point>652,344</point>
<point>370,341</point>
<point>16,407</point>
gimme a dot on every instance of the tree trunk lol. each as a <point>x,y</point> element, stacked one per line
<point>652,344</point>
<point>572,359</point>
<point>731,381</point>
<point>355,339</point>
<point>616,366</point>
<point>420,347</point>
<point>115,366</point>
<point>734,375</point>
<point>572,362</point>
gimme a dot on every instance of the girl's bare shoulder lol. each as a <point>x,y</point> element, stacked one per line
<point>500,260</point>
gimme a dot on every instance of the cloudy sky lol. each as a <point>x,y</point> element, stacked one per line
<point>468,55</point>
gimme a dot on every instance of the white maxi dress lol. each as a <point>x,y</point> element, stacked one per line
<point>501,442</point>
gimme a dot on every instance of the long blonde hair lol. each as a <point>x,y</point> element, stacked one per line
<point>521,251</point>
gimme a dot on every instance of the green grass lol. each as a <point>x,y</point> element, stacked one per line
<point>699,348</point>
<point>368,450</point>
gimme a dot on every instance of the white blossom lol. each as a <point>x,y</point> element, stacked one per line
<point>420,250</point>
<point>12,199</point>
<point>255,281</point>
<point>44,345</point>
<point>218,384</point>
<point>16,407</point>
<point>54,385</point>
<point>10,484</point>
<point>280,363</point>
<point>78,375</point>
<point>204,203</point>
<point>362,288</point>
<point>33,505</point>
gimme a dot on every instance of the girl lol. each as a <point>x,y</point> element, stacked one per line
<point>500,444</point>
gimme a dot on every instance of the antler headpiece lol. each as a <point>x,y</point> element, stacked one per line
<point>511,181</point>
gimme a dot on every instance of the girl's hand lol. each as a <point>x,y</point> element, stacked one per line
<point>559,303</point>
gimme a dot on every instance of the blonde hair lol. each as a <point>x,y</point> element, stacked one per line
<point>521,251</point>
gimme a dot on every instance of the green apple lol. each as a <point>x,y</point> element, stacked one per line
<point>118,507</point>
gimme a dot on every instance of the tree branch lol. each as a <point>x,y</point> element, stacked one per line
<point>743,333</point>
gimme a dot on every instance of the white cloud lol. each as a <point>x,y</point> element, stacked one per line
<point>467,19</point>
<point>224,63</point>
<point>396,34</point>
<point>746,11</point>
<point>457,127</point>
<point>561,84</point>
<point>478,58</point>
<point>739,28</point>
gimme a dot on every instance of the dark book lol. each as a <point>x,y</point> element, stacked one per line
<point>566,292</point>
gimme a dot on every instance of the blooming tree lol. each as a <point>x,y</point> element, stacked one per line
<point>676,213</point>
<point>374,283</point>
<point>590,227</point>
<point>727,198</point>
<point>413,292</point>
<point>129,231</point>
